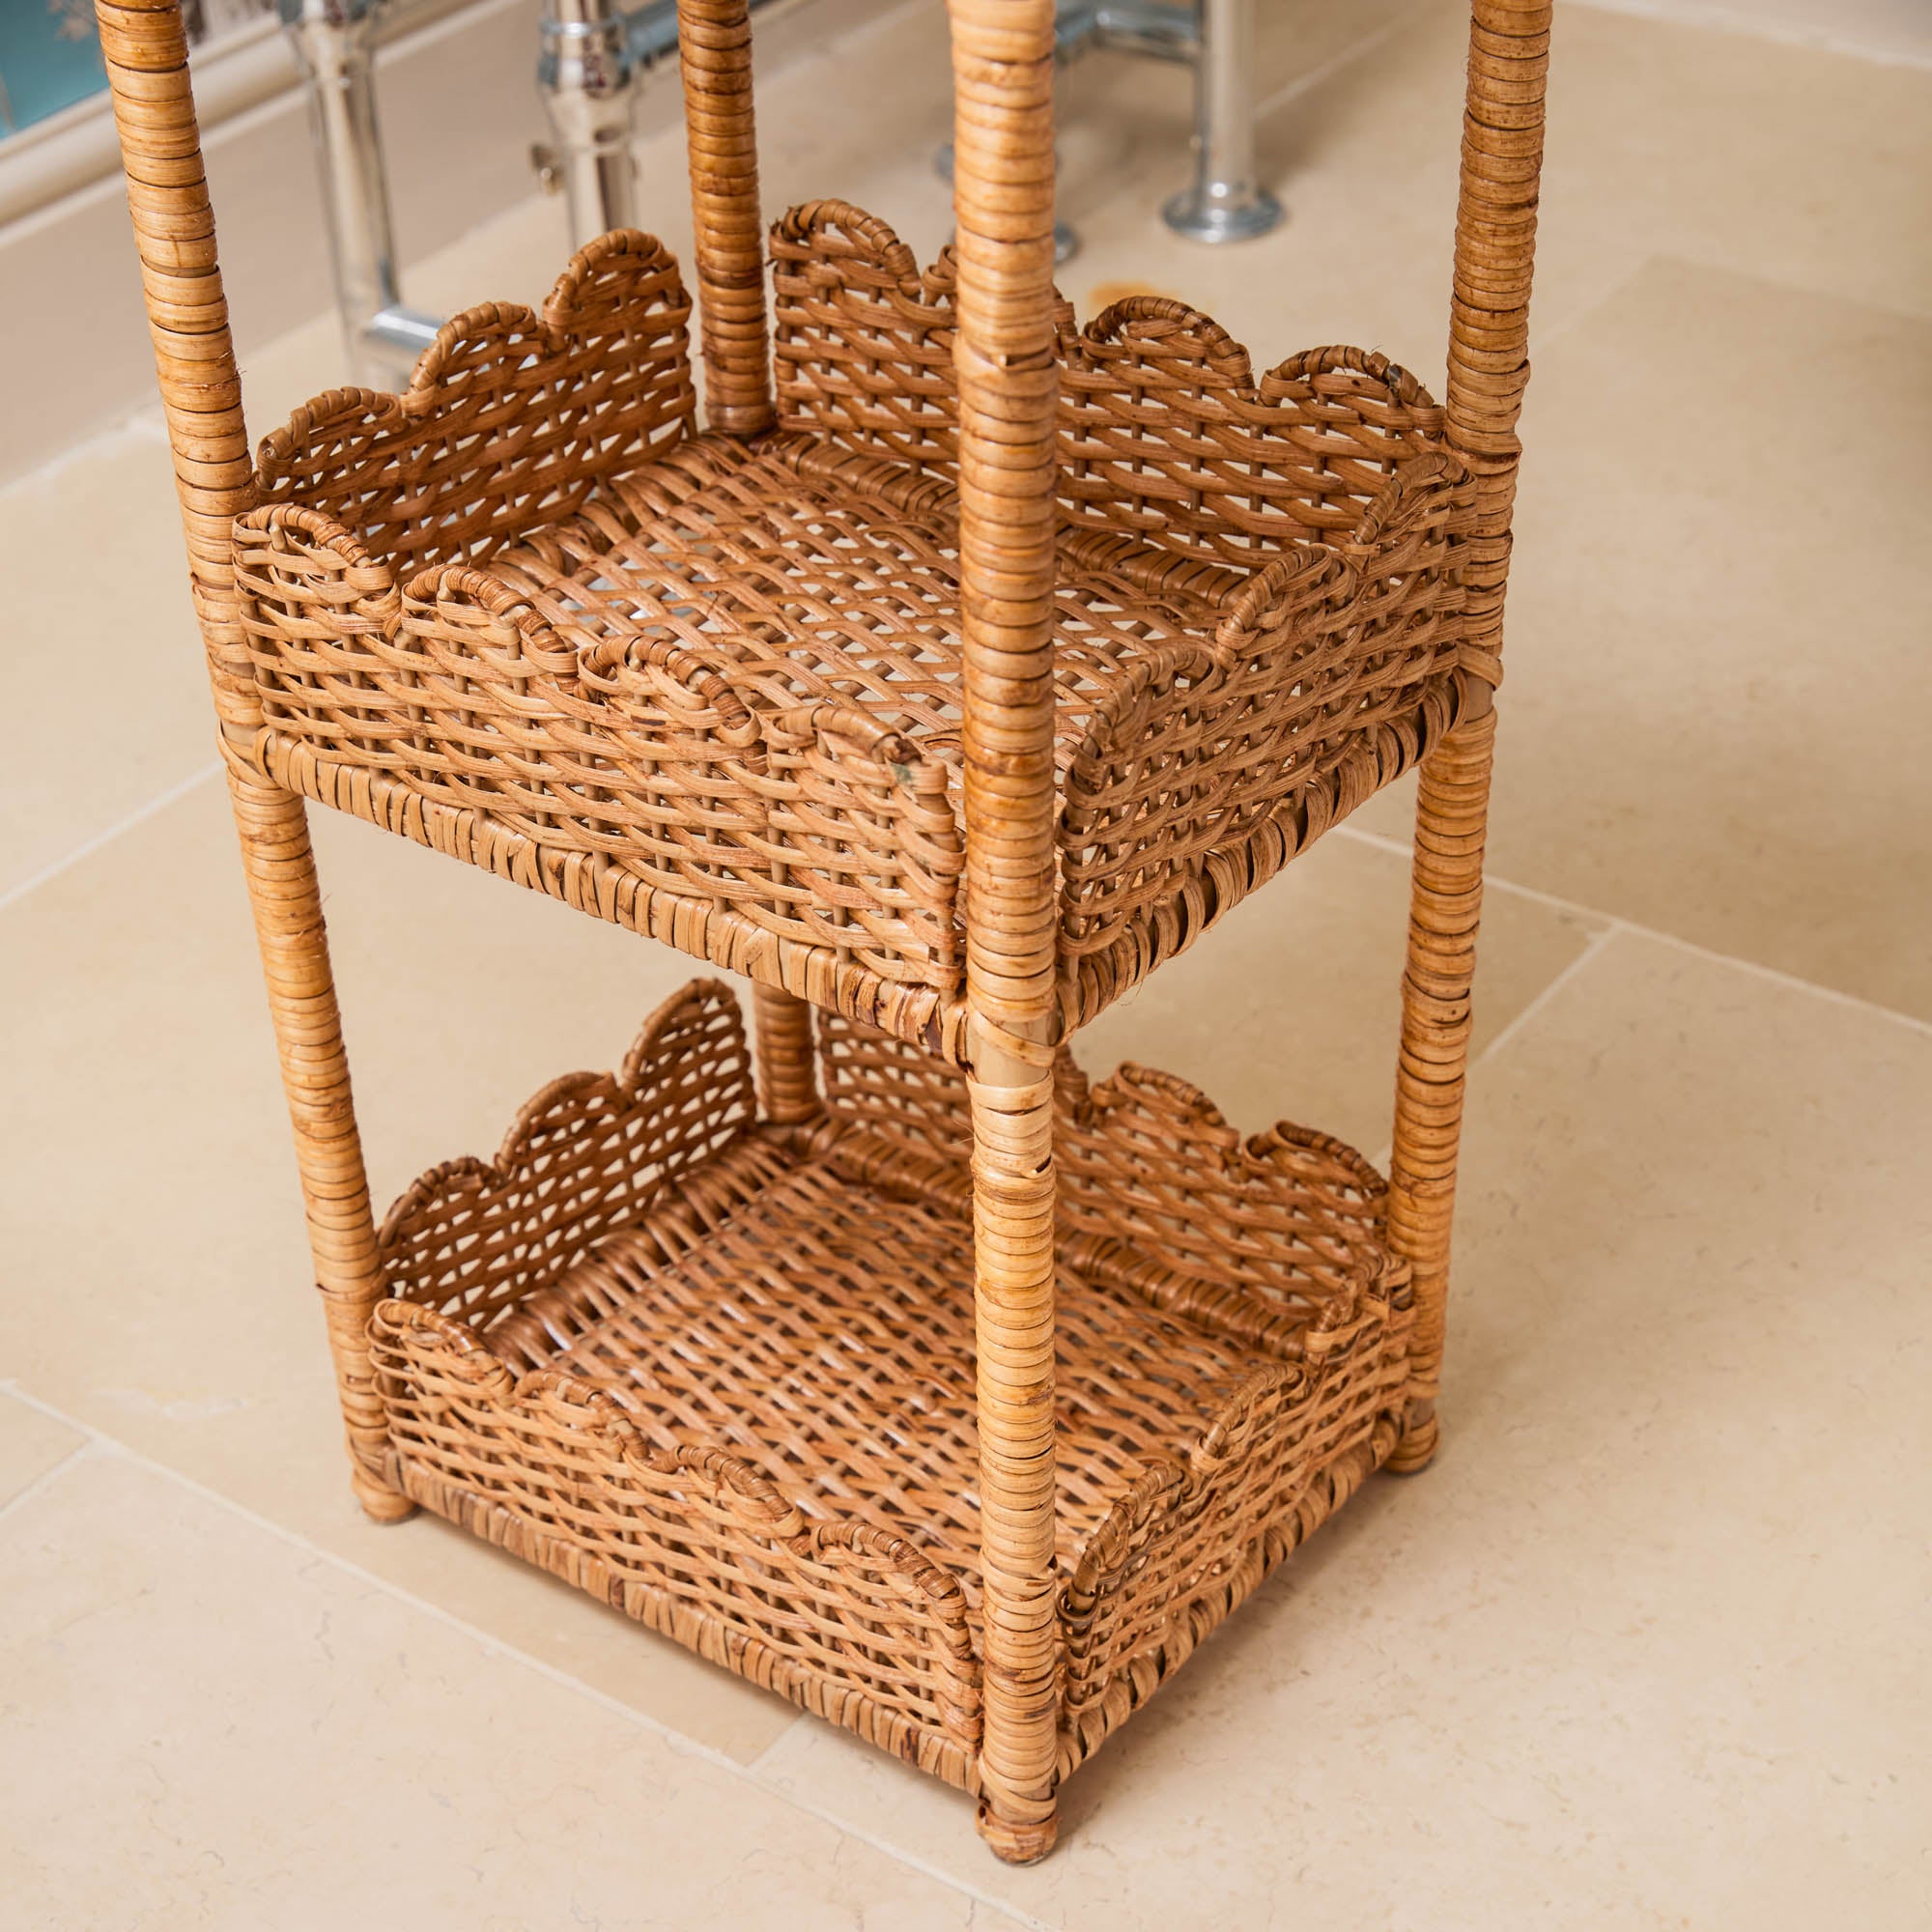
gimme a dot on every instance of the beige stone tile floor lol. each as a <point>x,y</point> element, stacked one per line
<point>271,1739</point>
<point>33,1445</point>
<point>1645,1648</point>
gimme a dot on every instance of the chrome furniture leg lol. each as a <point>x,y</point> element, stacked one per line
<point>334,41</point>
<point>587,72</point>
<point>1226,202</point>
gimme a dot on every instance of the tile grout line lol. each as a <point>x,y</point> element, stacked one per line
<point>1511,1028</point>
<point>107,837</point>
<point>757,1765</point>
<point>1615,922</point>
<point>1403,848</point>
<point>1380,840</point>
<point>109,1447</point>
<point>104,442</point>
<point>1790,982</point>
<point>44,1481</point>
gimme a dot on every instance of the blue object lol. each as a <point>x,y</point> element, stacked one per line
<point>49,58</point>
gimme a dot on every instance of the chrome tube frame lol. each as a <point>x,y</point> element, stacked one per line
<point>1158,29</point>
<point>1226,203</point>
<point>590,55</point>
<point>334,41</point>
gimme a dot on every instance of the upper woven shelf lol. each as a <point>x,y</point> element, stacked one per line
<point>542,621</point>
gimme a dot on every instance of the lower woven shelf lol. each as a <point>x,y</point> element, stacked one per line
<point>720,1373</point>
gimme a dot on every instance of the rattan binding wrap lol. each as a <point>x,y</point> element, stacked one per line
<point>960,668</point>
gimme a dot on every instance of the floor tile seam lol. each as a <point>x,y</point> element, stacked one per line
<point>50,1475</point>
<point>755,1766</point>
<point>1757,969</point>
<point>1491,881</point>
<point>759,1771</point>
<point>1517,1022</point>
<point>99,1442</point>
<point>107,835</point>
<point>1759,274</point>
<point>899,1853</point>
<point>1722,19</point>
<point>1547,992</point>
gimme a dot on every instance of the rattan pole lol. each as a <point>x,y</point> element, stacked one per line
<point>1003,200</point>
<point>714,39</point>
<point>787,1065</point>
<point>1489,370</point>
<point>145,52</point>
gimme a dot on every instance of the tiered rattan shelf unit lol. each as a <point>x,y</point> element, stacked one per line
<point>964,667</point>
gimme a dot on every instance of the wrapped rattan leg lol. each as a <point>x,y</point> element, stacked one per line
<point>145,48</point>
<point>1004,358</point>
<point>714,39</point>
<point>1446,902</point>
<point>1012,1232</point>
<point>289,928</point>
<point>1489,370</point>
<point>787,1065</point>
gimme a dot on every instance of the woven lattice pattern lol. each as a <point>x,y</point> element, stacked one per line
<point>591,1154</point>
<point>733,669</point>
<point>1265,1240</point>
<point>739,1389</point>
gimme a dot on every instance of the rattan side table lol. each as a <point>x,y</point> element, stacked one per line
<point>963,668</point>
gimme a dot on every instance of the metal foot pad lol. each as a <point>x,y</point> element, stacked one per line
<point>1203,216</point>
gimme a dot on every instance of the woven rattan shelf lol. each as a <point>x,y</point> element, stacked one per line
<point>709,685</point>
<point>956,669</point>
<point>719,1373</point>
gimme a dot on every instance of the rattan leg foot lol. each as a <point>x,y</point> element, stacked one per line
<point>1421,1435</point>
<point>287,902</point>
<point>144,48</point>
<point>380,1502</point>
<point>1018,1842</point>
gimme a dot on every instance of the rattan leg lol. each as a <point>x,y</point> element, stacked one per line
<point>280,870</point>
<point>1008,382</point>
<point>144,48</point>
<point>1489,369</point>
<point>1446,903</point>
<point>1013,1226</point>
<point>714,39</point>
<point>788,1067</point>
